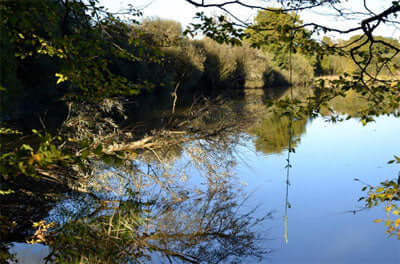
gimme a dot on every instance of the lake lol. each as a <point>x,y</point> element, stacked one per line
<point>225,200</point>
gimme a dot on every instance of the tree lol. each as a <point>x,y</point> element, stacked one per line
<point>81,39</point>
<point>271,32</point>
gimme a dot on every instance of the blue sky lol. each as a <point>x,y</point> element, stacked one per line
<point>183,12</point>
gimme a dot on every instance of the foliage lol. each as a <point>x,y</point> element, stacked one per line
<point>379,59</point>
<point>303,72</point>
<point>336,65</point>
<point>164,33</point>
<point>220,29</point>
<point>387,193</point>
<point>27,160</point>
<point>63,156</point>
<point>80,39</point>
<point>273,32</point>
<point>184,64</point>
<point>228,66</point>
<point>222,66</point>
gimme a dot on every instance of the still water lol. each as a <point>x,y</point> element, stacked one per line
<point>325,222</point>
<point>322,192</point>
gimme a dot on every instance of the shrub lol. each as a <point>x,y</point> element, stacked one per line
<point>336,65</point>
<point>164,32</point>
<point>184,63</point>
<point>239,66</point>
<point>303,71</point>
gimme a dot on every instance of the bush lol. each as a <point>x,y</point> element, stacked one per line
<point>220,66</point>
<point>303,71</point>
<point>238,67</point>
<point>336,65</point>
<point>164,32</point>
<point>184,63</point>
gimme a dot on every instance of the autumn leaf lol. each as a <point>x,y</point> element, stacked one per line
<point>397,223</point>
<point>61,78</point>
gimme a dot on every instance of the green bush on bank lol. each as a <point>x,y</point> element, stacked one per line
<point>163,58</point>
<point>204,65</point>
<point>303,72</point>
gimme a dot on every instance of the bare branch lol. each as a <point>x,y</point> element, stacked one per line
<point>240,3</point>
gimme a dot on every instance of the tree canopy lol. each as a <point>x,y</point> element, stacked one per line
<point>271,32</point>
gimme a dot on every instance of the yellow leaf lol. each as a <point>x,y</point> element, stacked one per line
<point>37,157</point>
<point>377,220</point>
<point>61,78</point>
<point>397,223</point>
<point>133,155</point>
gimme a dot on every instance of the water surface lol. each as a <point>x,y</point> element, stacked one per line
<point>325,222</point>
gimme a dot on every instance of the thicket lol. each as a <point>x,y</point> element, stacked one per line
<point>157,59</point>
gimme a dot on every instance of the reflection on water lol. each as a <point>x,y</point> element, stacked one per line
<point>222,200</point>
<point>323,193</point>
<point>272,135</point>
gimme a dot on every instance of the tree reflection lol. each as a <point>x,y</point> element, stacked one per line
<point>191,226</point>
<point>177,203</point>
<point>272,136</point>
<point>152,211</point>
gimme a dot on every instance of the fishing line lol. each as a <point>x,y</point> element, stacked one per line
<point>290,131</point>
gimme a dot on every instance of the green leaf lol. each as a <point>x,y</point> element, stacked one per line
<point>26,147</point>
<point>98,150</point>
<point>85,154</point>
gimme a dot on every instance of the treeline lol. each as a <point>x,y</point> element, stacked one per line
<point>52,52</point>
